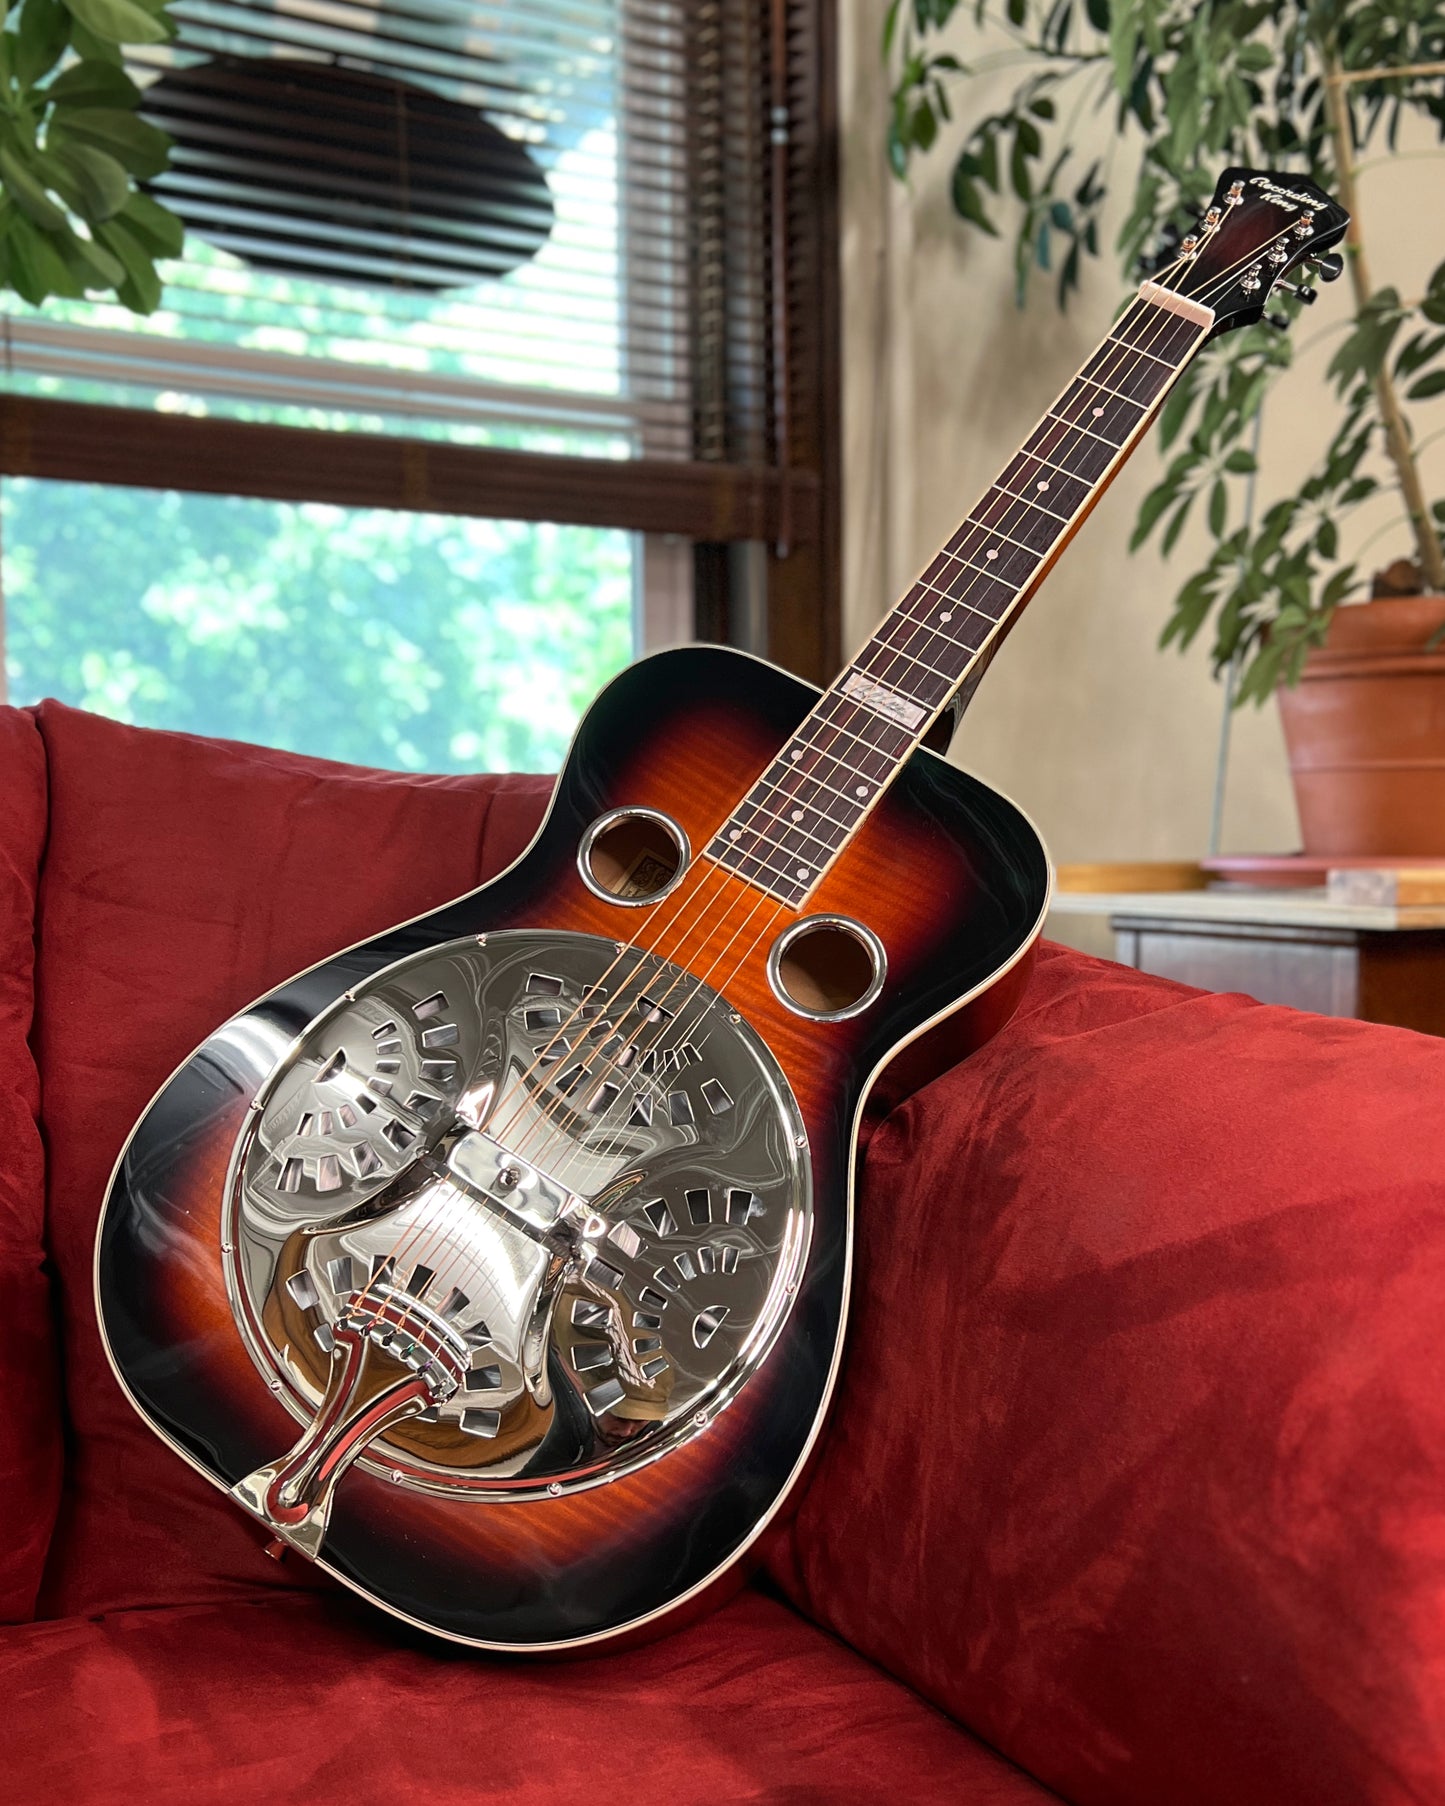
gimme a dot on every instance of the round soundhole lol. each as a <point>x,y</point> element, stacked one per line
<point>633,855</point>
<point>827,967</point>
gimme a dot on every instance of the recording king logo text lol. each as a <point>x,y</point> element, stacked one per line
<point>1282,197</point>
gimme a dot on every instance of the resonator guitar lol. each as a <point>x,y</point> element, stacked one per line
<point>500,1264</point>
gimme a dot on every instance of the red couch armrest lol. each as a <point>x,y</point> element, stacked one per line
<point>1138,1466</point>
<point>30,1428</point>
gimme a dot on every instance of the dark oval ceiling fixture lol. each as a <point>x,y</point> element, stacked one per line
<point>341,175</point>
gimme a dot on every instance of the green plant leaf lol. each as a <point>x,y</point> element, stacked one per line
<point>156,227</point>
<point>141,290</point>
<point>1218,507</point>
<point>924,126</point>
<point>93,84</point>
<point>43,33</point>
<point>1158,499</point>
<point>28,192</point>
<point>92,265</point>
<point>968,202</point>
<point>1176,525</point>
<point>1241,463</point>
<point>1123,43</point>
<point>119,21</point>
<point>38,268</point>
<point>141,148</point>
<point>103,185</point>
<point>1433,384</point>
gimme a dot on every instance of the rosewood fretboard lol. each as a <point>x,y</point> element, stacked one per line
<point>805,807</point>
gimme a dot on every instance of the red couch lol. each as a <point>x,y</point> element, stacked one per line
<point>1136,1478</point>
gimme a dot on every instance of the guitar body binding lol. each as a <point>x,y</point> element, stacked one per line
<point>527,1369</point>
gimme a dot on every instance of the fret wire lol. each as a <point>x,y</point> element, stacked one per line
<point>1029,502</point>
<point>733,872</point>
<point>967,651</point>
<point>854,771</point>
<point>986,527</point>
<point>1118,394</point>
<point>796,827</point>
<point>944,596</point>
<point>785,800</point>
<point>792,876</point>
<point>860,738</point>
<point>1139,351</point>
<point>949,677</point>
<point>1121,360</point>
<point>1056,425</point>
<point>988,530</point>
<point>932,632</point>
<point>1079,427</point>
<point>985,570</point>
<point>1063,470</point>
<point>813,778</point>
<point>1067,451</point>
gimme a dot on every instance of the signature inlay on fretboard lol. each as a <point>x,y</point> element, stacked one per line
<point>804,808</point>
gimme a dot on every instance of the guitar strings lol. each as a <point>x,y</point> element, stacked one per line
<point>526,1148</point>
<point>1215,284</point>
<point>1131,360</point>
<point>594,1082</point>
<point>855,711</point>
<point>760,898</point>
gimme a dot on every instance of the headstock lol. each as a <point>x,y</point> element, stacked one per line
<point>1261,227</point>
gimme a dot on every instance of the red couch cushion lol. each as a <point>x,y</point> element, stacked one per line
<point>1138,1467</point>
<point>298,1699</point>
<point>30,1424</point>
<point>183,877</point>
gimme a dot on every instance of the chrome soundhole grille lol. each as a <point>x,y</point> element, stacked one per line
<point>565,1185</point>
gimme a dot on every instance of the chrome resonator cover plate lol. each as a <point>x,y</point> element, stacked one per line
<point>558,1185</point>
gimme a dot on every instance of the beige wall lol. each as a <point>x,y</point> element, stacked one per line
<point>1109,743</point>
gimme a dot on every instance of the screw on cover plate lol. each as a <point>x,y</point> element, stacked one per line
<point>396,1476</point>
<point>700,1419</point>
<point>555,1488</point>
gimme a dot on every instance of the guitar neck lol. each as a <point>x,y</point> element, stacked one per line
<point>807,805</point>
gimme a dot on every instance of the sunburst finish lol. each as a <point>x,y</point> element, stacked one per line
<point>682,733</point>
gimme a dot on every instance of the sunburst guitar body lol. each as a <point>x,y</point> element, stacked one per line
<point>500,1264</point>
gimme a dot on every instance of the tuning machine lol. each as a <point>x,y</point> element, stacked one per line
<point>1330,264</point>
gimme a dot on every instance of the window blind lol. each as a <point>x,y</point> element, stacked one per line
<point>475,220</point>
<point>566,260</point>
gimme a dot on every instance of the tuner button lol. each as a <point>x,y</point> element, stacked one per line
<point>1330,265</point>
<point>1308,295</point>
<point>1280,322</point>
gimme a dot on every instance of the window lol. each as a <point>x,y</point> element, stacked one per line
<point>421,642</point>
<point>502,347</point>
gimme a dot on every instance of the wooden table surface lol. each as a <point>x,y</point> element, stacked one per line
<point>1376,962</point>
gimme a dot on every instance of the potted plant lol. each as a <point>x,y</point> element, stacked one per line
<point>74,153</point>
<point>1303,85</point>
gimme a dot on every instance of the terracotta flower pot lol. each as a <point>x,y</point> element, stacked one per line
<point>1365,729</point>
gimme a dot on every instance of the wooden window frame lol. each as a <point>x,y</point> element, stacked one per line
<point>791,507</point>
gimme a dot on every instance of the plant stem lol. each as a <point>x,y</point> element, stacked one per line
<point>1397,438</point>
